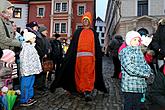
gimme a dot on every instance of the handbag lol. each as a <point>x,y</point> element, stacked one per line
<point>47,64</point>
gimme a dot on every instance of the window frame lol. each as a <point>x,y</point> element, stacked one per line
<point>14,15</point>
<point>79,5</point>
<point>38,9</point>
<point>60,27</point>
<point>142,7</point>
<point>61,7</point>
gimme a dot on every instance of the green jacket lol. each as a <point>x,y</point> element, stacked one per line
<point>7,39</point>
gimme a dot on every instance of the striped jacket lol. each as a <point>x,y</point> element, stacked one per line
<point>134,70</point>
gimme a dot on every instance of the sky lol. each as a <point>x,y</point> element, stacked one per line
<point>101,6</point>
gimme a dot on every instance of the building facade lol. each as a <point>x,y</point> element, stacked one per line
<point>138,15</point>
<point>60,16</point>
<point>100,29</point>
<point>20,16</point>
<point>40,11</point>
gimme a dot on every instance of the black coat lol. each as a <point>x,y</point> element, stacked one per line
<point>158,42</point>
<point>57,52</point>
<point>66,78</point>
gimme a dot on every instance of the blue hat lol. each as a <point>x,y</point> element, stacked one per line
<point>32,24</point>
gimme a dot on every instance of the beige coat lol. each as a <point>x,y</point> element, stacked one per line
<point>7,41</point>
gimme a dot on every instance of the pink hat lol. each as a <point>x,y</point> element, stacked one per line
<point>131,35</point>
<point>8,56</point>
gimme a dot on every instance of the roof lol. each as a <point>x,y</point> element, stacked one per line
<point>99,19</point>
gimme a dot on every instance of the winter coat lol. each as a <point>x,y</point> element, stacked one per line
<point>7,40</point>
<point>5,69</point>
<point>29,60</point>
<point>134,70</point>
<point>158,42</point>
<point>56,53</point>
<point>66,77</point>
<point>115,45</point>
<point>40,43</point>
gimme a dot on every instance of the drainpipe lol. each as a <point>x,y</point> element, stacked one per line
<point>51,19</point>
<point>69,18</point>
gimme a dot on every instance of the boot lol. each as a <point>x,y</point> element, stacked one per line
<point>87,95</point>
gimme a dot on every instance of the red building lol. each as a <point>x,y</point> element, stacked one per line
<point>60,16</point>
<point>40,11</point>
<point>79,8</point>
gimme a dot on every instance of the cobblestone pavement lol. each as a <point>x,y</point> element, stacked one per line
<point>60,100</point>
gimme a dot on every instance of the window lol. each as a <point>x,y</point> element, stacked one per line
<point>81,10</point>
<point>63,27</point>
<point>57,28</point>
<point>58,7</point>
<point>61,7</point>
<point>142,8</point>
<point>17,13</point>
<point>102,35</point>
<point>102,41</point>
<point>64,6</point>
<point>60,27</point>
<point>40,11</point>
<point>100,28</point>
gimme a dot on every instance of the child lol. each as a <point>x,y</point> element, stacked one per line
<point>29,66</point>
<point>135,70</point>
<point>9,68</point>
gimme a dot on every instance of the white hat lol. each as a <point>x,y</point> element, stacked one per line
<point>131,35</point>
<point>28,35</point>
<point>8,56</point>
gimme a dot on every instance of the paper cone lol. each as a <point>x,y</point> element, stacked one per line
<point>11,97</point>
<point>11,100</point>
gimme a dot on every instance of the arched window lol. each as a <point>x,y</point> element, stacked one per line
<point>143,31</point>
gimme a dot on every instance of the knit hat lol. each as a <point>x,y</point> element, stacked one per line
<point>4,4</point>
<point>131,35</point>
<point>88,16</point>
<point>28,35</point>
<point>32,24</point>
<point>8,56</point>
<point>42,28</point>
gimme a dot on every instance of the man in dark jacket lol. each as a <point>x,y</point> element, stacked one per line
<point>114,47</point>
<point>82,68</point>
<point>56,53</point>
<point>41,49</point>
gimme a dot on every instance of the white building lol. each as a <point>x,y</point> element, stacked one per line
<point>139,15</point>
<point>100,29</point>
<point>20,16</point>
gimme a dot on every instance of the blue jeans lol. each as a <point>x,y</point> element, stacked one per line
<point>27,89</point>
<point>132,101</point>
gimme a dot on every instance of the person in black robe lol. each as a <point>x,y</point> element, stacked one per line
<point>66,77</point>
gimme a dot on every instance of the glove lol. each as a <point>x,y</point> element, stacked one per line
<point>150,79</point>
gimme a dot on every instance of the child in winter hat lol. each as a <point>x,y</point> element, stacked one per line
<point>29,66</point>
<point>133,38</point>
<point>134,70</point>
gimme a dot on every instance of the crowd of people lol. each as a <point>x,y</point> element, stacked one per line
<point>22,54</point>
<point>79,71</point>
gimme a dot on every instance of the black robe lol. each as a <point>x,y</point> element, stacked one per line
<point>66,76</point>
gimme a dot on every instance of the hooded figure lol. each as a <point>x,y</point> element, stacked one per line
<point>7,40</point>
<point>82,68</point>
